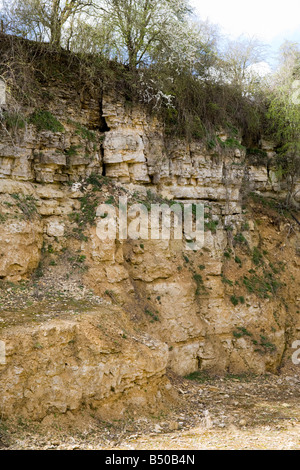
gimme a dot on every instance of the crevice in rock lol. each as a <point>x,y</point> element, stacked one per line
<point>103,167</point>
<point>103,127</point>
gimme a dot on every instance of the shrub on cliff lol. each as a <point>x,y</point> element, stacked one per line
<point>284,115</point>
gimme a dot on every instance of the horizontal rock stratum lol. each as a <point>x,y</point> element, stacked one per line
<point>232,306</point>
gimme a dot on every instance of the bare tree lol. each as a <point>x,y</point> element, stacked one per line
<point>240,58</point>
<point>42,19</point>
<point>139,25</point>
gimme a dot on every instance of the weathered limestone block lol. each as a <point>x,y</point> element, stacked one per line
<point>99,250</point>
<point>77,160</point>
<point>184,359</point>
<point>152,265</point>
<point>6,166</point>
<point>118,170</point>
<point>139,173</point>
<point>55,228</point>
<point>47,207</point>
<point>123,146</point>
<point>178,309</point>
<point>204,167</point>
<point>53,158</point>
<point>199,192</point>
<point>116,273</point>
<point>259,178</point>
<point>181,168</point>
<point>45,174</point>
<point>161,173</point>
<point>62,365</point>
<point>22,168</point>
<point>20,244</point>
<point>49,192</point>
<point>8,186</point>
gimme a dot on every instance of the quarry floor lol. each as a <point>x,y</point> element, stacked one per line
<point>213,413</point>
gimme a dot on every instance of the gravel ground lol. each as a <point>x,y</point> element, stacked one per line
<point>231,412</point>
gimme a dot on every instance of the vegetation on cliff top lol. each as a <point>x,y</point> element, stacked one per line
<point>159,54</point>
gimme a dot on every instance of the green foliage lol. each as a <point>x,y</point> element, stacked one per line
<point>201,107</point>
<point>155,317</point>
<point>231,143</point>
<point>225,280</point>
<point>256,156</point>
<point>88,209</point>
<point>238,260</point>
<point>13,120</point>
<point>26,204</point>
<point>78,261</point>
<point>39,272</point>
<point>284,118</point>
<point>85,133</point>
<point>271,204</point>
<point>264,285</point>
<point>45,121</point>
<point>240,332</point>
<point>199,376</point>
<point>2,219</point>
<point>240,239</point>
<point>86,215</point>
<point>97,181</point>
<point>200,285</point>
<point>257,257</point>
<point>234,300</point>
<point>266,344</point>
<point>245,227</point>
<point>211,226</point>
<point>72,151</point>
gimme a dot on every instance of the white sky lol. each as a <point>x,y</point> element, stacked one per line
<point>270,21</point>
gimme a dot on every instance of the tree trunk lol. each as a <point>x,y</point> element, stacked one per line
<point>55,30</point>
<point>132,55</point>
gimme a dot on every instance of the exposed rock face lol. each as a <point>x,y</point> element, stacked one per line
<point>64,365</point>
<point>203,310</point>
<point>136,151</point>
<point>20,245</point>
<point>192,312</point>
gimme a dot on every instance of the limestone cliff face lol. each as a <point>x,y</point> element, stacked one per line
<point>232,306</point>
<point>68,364</point>
<point>136,151</point>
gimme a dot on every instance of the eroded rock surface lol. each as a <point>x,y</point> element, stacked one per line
<point>232,306</point>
